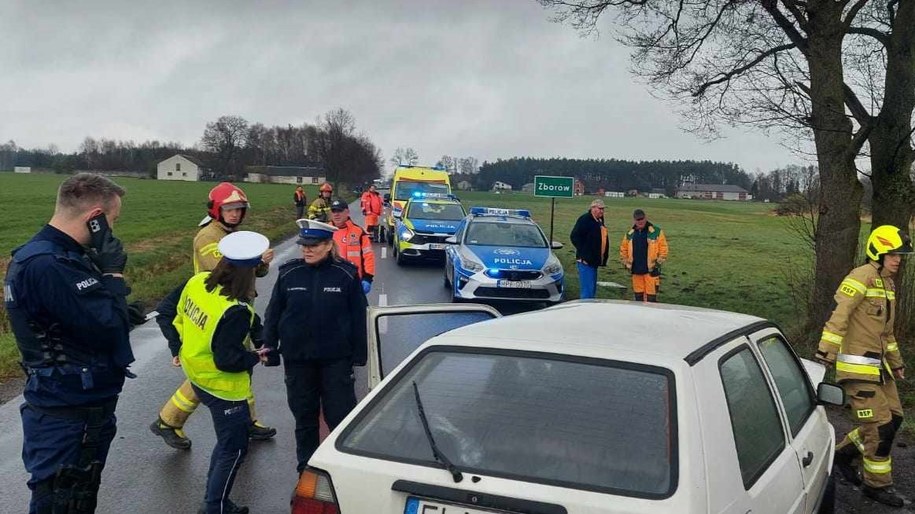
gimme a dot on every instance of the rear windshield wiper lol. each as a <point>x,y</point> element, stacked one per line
<point>439,456</point>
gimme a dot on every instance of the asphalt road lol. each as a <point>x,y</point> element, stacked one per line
<point>145,476</point>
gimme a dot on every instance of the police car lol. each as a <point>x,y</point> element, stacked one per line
<point>591,407</point>
<point>502,254</point>
<point>424,224</point>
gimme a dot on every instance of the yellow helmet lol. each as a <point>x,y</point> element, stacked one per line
<point>887,239</point>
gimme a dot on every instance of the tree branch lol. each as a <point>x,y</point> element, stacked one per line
<point>853,11</point>
<point>725,77</point>
<point>882,37</point>
<point>794,9</point>
<point>862,116</point>
<point>771,6</point>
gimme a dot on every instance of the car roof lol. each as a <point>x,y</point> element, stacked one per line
<point>493,218</point>
<point>605,329</point>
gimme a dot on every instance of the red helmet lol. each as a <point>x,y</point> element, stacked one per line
<point>226,196</point>
<point>326,187</point>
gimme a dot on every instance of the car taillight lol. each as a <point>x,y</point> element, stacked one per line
<point>314,494</point>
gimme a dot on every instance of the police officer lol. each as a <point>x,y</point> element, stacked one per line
<point>214,321</point>
<point>316,317</point>
<point>859,339</point>
<point>353,243</point>
<point>65,298</point>
<point>320,209</point>
<point>226,208</point>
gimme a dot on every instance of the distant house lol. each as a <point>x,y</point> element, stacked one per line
<point>180,167</point>
<point>614,194</point>
<point>578,188</point>
<point>22,169</point>
<point>464,186</point>
<point>714,192</point>
<point>501,186</point>
<point>657,193</point>
<point>528,188</point>
<point>299,175</point>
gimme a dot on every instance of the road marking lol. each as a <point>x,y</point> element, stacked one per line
<point>384,252</point>
<point>383,320</point>
<point>382,300</point>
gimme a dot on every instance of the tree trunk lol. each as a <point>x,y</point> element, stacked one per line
<point>839,221</point>
<point>890,140</point>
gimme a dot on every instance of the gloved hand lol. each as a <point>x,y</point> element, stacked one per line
<point>135,314</point>
<point>110,258</point>
<point>271,354</point>
<point>366,286</point>
<point>655,271</point>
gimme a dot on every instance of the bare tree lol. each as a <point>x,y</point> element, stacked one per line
<point>448,162</point>
<point>468,165</point>
<point>225,138</point>
<point>404,156</point>
<point>779,64</point>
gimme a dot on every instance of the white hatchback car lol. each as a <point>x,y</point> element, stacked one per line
<point>586,407</point>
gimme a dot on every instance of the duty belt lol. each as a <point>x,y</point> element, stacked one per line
<point>78,413</point>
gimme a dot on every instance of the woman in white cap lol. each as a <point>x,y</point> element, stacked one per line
<point>316,318</point>
<point>215,319</point>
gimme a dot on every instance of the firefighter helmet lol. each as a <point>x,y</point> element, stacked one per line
<point>326,187</point>
<point>887,239</point>
<point>226,196</point>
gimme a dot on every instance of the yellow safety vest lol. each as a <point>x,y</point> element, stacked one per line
<point>199,311</point>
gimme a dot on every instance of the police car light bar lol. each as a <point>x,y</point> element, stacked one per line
<point>440,196</point>
<point>492,211</point>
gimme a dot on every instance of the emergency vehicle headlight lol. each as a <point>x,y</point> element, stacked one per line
<point>407,234</point>
<point>552,266</point>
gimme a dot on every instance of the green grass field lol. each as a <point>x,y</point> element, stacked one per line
<point>157,225</point>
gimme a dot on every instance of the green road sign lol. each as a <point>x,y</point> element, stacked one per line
<point>555,187</point>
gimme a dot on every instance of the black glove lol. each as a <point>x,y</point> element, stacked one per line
<point>655,271</point>
<point>135,314</point>
<point>110,257</point>
<point>273,358</point>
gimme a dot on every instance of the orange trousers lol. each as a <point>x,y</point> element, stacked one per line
<point>645,287</point>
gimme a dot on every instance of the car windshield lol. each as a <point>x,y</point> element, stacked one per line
<point>404,189</point>
<point>435,211</point>
<point>579,423</point>
<point>505,234</point>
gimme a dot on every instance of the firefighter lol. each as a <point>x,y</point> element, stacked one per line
<point>320,208</point>
<point>226,209</point>
<point>372,207</point>
<point>859,339</point>
<point>642,251</point>
<point>353,243</point>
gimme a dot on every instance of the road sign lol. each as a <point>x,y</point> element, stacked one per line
<point>554,187</point>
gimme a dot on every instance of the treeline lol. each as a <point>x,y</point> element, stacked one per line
<point>227,146</point>
<point>782,183</point>
<point>613,174</point>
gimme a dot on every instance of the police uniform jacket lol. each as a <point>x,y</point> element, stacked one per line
<point>317,312</point>
<point>859,335</point>
<point>70,322</point>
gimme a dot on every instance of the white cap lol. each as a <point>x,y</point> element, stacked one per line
<point>244,248</point>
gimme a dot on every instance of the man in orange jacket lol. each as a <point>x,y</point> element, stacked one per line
<point>642,251</point>
<point>371,209</point>
<point>353,243</point>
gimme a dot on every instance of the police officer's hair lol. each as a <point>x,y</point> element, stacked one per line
<point>84,190</point>
<point>237,283</point>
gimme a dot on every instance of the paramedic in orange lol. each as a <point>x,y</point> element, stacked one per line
<point>371,209</point>
<point>353,243</point>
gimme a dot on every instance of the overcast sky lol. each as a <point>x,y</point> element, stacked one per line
<point>490,79</point>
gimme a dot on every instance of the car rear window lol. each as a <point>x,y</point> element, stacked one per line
<point>435,211</point>
<point>580,423</point>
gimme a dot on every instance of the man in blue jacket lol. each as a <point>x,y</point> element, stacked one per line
<point>592,247</point>
<point>65,296</point>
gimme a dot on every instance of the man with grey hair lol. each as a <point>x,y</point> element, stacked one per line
<point>589,236</point>
<point>65,295</point>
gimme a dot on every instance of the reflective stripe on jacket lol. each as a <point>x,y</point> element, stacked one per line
<point>859,335</point>
<point>355,245</point>
<point>199,312</point>
<point>657,246</point>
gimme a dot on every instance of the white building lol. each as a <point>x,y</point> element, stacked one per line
<point>501,186</point>
<point>298,175</point>
<point>615,194</point>
<point>22,169</point>
<point>180,167</point>
<point>714,192</point>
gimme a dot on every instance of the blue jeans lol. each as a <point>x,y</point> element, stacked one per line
<point>231,420</point>
<point>587,277</point>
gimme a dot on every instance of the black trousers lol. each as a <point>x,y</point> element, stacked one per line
<point>313,386</point>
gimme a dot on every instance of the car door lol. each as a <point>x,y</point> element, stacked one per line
<point>396,331</point>
<point>809,431</point>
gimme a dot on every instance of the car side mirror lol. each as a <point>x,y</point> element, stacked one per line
<point>451,240</point>
<point>830,394</point>
<point>555,245</point>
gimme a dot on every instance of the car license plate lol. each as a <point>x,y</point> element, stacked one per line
<point>436,246</point>
<point>517,284</point>
<point>419,506</point>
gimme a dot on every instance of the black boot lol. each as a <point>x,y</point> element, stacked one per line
<point>847,469</point>
<point>884,495</point>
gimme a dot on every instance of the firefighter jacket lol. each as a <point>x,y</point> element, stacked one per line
<point>206,249</point>
<point>215,357</point>
<point>859,335</point>
<point>371,203</point>
<point>355,245</point>
<point>657,247</point>
<point>317,312</point>
<point>319,210</point>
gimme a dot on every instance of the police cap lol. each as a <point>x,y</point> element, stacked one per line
<point>312,232</point>
<point>243,248</point>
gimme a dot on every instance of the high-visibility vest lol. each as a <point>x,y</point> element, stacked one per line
<point>199,312</point>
